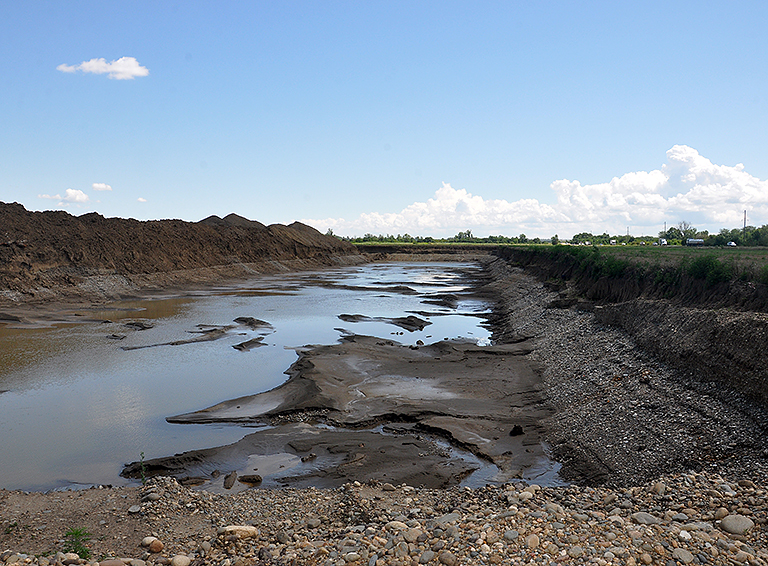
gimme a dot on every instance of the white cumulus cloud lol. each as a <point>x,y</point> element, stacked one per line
<point>101,187</point>
<point>141,199</point>
<point>70,195</point>
<point>75,196</point>
<point>120,69</point>
<point>687,187</point>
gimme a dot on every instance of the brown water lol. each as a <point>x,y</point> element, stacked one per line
<point>76,406</point>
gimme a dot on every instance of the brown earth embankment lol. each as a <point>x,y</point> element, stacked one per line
<point>707,332</point>
<point>52,255</point>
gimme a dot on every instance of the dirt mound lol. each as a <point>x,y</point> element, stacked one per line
<point>55,249</point>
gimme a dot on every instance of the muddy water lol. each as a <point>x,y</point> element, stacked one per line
<point>80,400</point>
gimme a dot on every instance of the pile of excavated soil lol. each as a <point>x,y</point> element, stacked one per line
<point>53,255</point>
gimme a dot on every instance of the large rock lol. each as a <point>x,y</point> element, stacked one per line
<point>736,524</point>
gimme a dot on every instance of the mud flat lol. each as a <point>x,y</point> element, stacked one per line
<point>372,409</point>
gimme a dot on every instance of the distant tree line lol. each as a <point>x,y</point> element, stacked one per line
<point>462,237</point>
<point>675,235</point>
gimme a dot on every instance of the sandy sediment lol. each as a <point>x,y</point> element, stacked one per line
<point>485,400</point>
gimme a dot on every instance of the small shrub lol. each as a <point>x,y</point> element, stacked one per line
<point>762,277</point>
<point>143,470</point>
<point>75,540</point>
<point>709,268</point>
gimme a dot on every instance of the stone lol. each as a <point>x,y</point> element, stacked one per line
<point>448,518</point>
<point>575,551</point>
<point>682,555</point>
<point>112,562</point>
<point>448,558</point>
<point>511,534</point>
<point>154,496</point>
<point>741,557</point>
<point>241,531</point>
<point>736,524</point>
<point>181,560</point>
<point>721,513</point>
<point>229,480</point>
<point>643,518</point>
<point>412,535</point>
<point>352,557</point>
<point>156,546</point>
<point>133,509</point>
<point>532,540</point>
<point>388,487</point>
<point>426,556</point>
<point>313,522</point>
<point>659,488</point>
<point>146,541</point>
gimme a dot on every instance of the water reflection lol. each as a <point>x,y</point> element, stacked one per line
<point>77,405</point>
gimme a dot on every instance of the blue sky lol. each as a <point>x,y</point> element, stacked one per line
<point>390,117</point>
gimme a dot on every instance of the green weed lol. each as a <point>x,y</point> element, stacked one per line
<point>143,470</point>
<point>75,540</point>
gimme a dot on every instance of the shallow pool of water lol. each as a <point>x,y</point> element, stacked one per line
<point>76,404</point>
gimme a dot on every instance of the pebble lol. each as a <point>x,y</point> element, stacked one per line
<point>364,524</point>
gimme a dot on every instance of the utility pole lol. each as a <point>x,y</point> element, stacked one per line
<point>744,231</point>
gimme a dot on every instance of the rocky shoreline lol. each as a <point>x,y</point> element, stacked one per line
<point>621,416</point>
<point>671,470</point>
<point>681,519</point>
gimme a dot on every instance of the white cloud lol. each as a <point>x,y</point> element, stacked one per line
<point>75,196</point>
<point>141,199</point>
<point>101,187</point>
<point>120,69</point>
<point>687,187</point>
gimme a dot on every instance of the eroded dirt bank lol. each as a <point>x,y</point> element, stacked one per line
<point>622,413</point>
<point>52,256</point>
